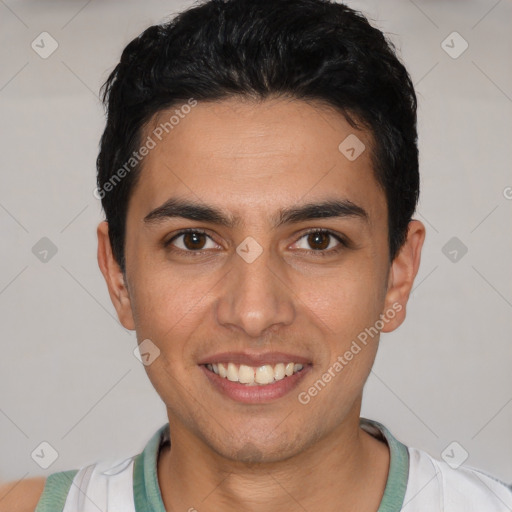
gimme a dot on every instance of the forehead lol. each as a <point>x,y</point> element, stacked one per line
<point>248,156</point>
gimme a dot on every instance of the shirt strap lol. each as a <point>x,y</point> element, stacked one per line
<point>398,476</point>
<point>55,492</point>
<point>146,491</point>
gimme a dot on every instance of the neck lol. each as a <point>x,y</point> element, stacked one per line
<point>347,470</point>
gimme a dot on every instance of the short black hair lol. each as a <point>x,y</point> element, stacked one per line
<point>304,49</point>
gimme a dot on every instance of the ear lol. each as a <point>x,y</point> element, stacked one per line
<point>114,278</point>
<point>401,276</point>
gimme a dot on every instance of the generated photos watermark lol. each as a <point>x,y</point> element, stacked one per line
<point>363,337</point>
<point>150,143</point>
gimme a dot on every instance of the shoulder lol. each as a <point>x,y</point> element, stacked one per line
<point>21,495</point>
<point>39,494</point>
<point>435,483</point>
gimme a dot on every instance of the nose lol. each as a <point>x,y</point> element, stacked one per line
<point>255,296</point>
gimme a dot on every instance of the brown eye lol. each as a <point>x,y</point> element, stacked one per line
<point>191,240</point>
<point>194,241</point>
<point>319,240</point>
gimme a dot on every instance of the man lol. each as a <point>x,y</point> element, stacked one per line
<point>259,173</point>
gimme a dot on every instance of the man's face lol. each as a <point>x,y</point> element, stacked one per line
<point>213,297</point>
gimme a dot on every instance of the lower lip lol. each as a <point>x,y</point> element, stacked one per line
<point>255,394</point>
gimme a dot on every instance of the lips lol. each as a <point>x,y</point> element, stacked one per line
<point>255,378</point>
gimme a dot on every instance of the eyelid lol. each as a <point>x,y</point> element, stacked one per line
<point>184,231</point>
<point>343,242</point>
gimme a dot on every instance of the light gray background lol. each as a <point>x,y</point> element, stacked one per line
<point>68,375</point>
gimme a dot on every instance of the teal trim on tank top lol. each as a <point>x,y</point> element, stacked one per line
<point>55,492</point>
<point>146,491</point>
<point>148,498</point>
<point>398,475</point>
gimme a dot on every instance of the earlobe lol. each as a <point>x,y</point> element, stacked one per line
<point>402,274</point>
<point>114,278</point>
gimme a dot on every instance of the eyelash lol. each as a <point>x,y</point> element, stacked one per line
<point>323,253</point>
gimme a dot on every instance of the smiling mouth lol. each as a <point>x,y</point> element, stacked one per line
<point>255,376</point>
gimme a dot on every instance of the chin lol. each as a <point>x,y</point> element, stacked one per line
<point>259,450</point>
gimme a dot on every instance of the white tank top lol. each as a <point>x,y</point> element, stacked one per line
<point>416,482</point>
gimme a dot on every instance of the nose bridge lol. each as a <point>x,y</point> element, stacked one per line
<point>254,298</point>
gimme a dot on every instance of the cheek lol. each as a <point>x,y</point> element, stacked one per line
<point>347,301</point>
<point>348,306</point>
<point>169,310</point>
<point>168,307</point>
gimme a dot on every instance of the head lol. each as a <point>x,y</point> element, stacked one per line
<point>282,135</point>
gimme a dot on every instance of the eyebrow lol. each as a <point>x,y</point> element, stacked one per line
<point>186,209</point>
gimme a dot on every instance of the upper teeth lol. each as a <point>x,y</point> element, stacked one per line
<point>265,374</point>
